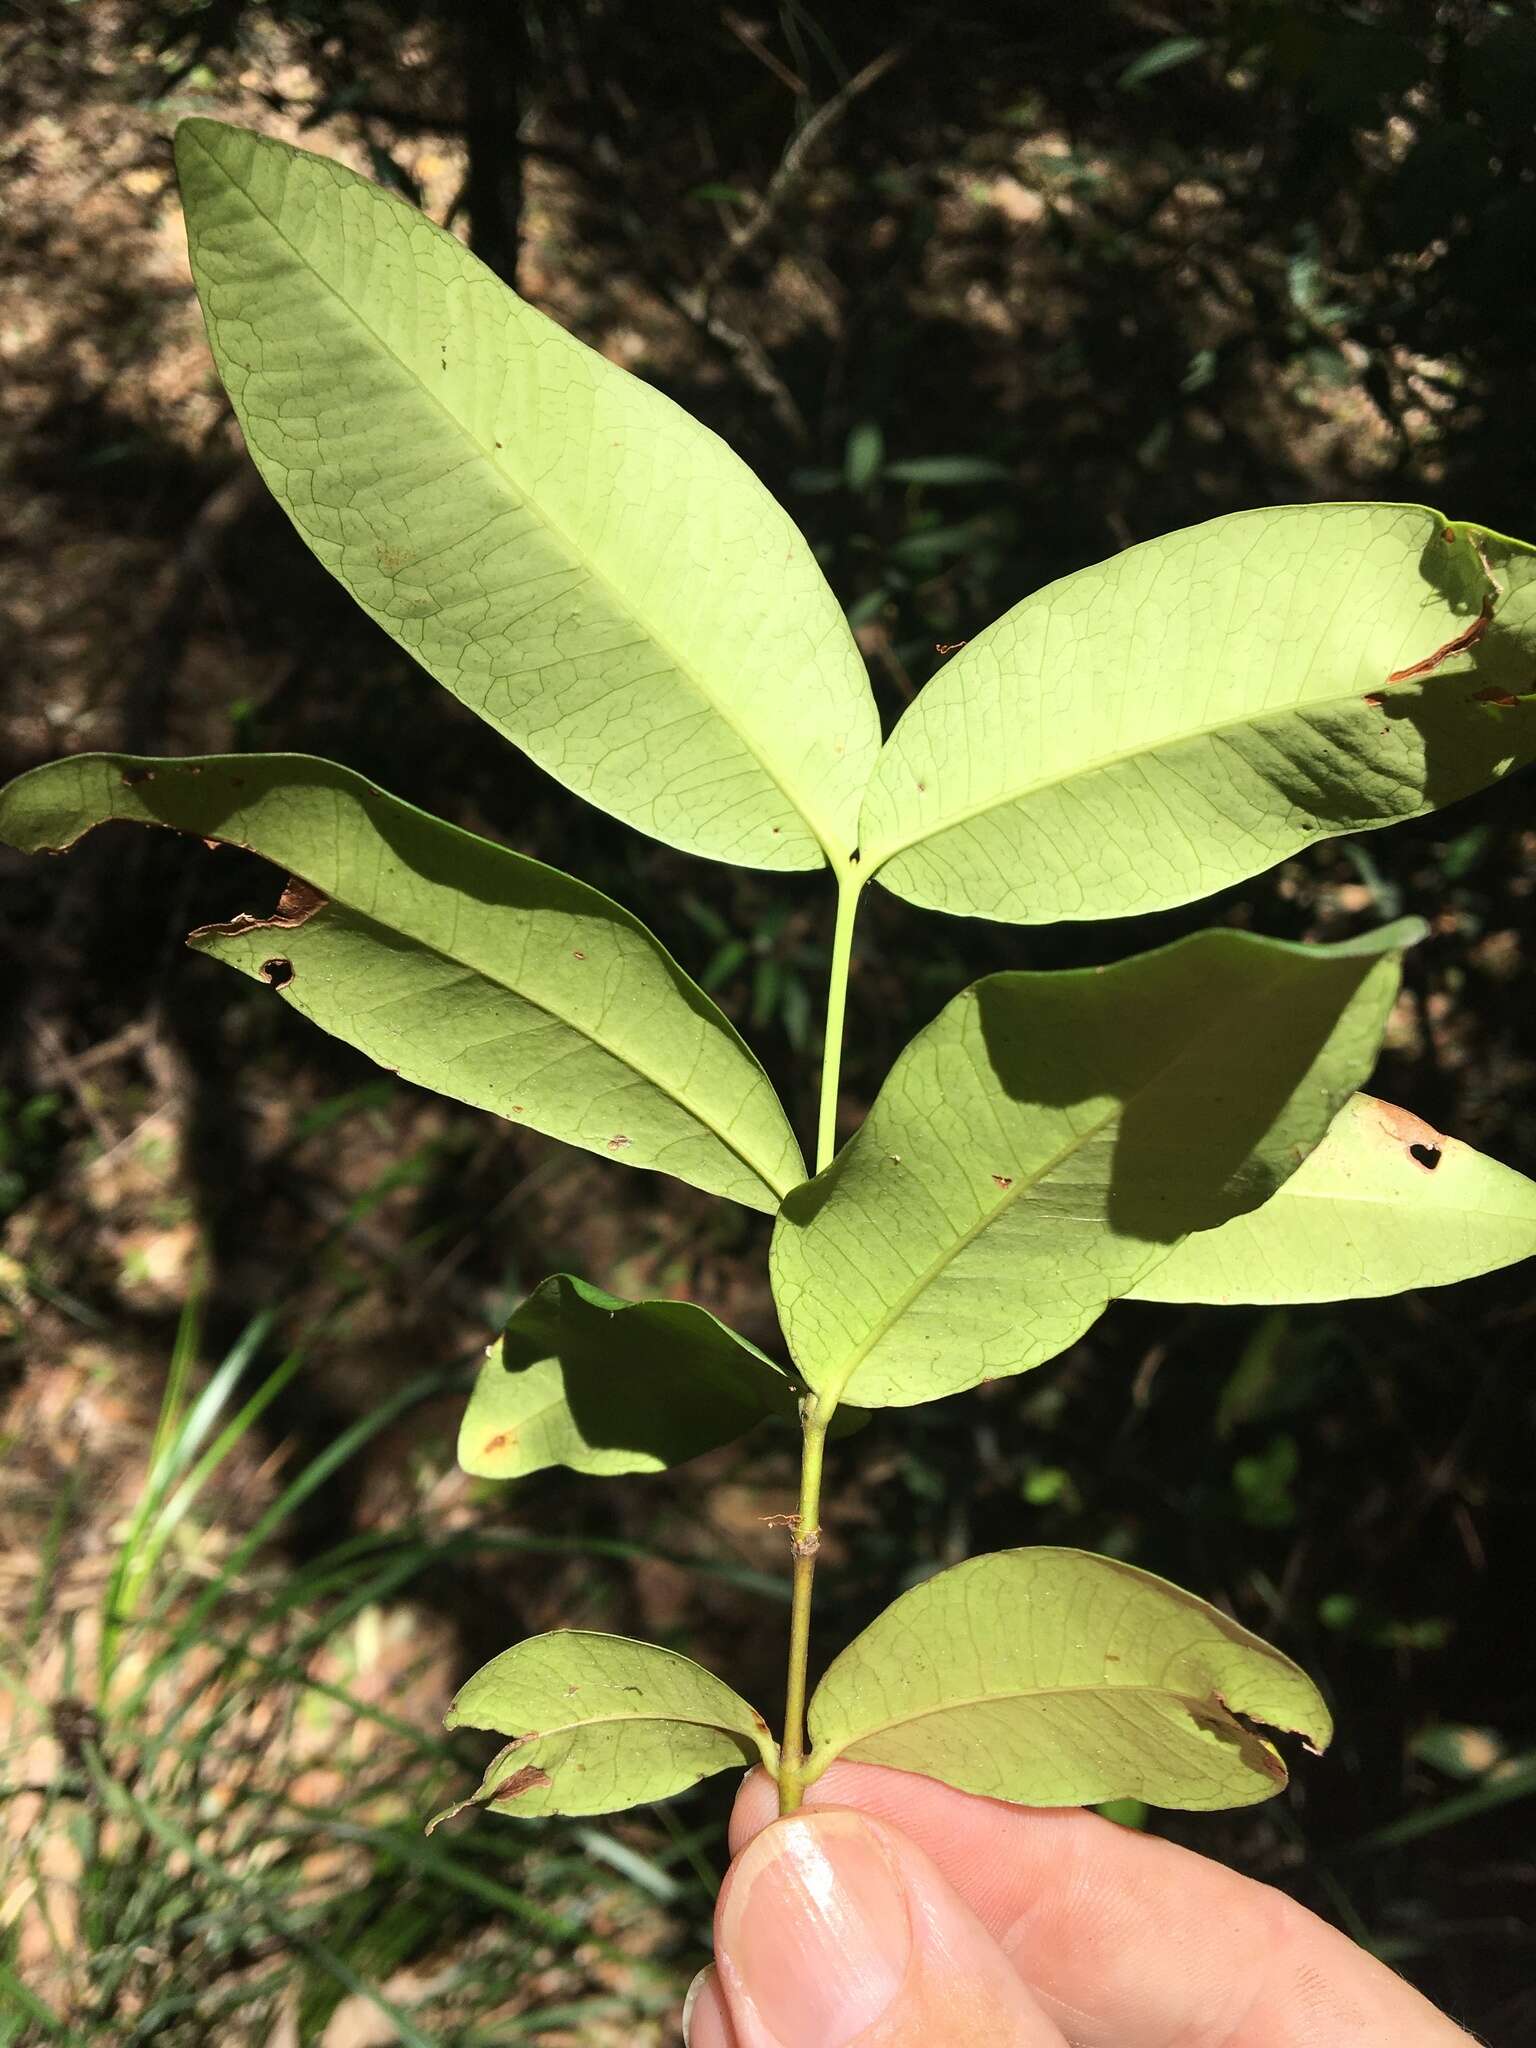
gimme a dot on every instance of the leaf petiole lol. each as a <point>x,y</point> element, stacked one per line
<point>850,885</point>
<point>818,1409</point>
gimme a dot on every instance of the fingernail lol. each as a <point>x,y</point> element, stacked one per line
<point>693,1998</point>
<point>816,1932</point>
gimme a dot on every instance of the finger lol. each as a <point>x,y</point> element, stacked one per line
<point>1127,1941</point>
<point>706,2023</point>
<point>834,1930</point>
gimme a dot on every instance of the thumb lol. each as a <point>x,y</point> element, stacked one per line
<point>833,1930</point>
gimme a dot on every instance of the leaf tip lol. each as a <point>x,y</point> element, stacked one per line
<point>198,131</point>
<point>448,1813</point>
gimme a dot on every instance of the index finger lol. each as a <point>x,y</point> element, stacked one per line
<point>1128,1941</point>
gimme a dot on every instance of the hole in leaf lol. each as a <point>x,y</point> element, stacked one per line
<point>1428,1156</point>
<point>277,973</point>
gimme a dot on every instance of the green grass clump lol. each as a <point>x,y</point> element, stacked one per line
<point>217,1766</point>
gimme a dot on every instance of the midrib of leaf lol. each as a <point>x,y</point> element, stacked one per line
<point>581,1031</point>
<point>1005,1695</point>
<point>629,1720</point>
<point>717,1384</point>
<point>556,1401</point>
<point>1025,1185</point>
<point>828,842</point>
<point>1099,763</point>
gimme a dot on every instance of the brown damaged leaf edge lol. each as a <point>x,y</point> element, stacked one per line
<point>1460,644</point>
<point>1255,1725</point>
<point>299,902</point>
<point>1214,1717</point>
<point>1421,1141</point>
<point>1464,641</point>
<point>528,1779</point>
<point>1219,1717</point>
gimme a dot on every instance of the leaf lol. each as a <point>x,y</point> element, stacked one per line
<point>1055,1678</point>
<point>1185,715</point>
<point>567,551</point>
<point>457,963</point>
<point>1164,56</point>
<point>600,1723</point>
<point>583,1379</point>
<point>942,470</point>
<point>1048,1135</point>
<point>864,456</point>
<point>1386,1202</point>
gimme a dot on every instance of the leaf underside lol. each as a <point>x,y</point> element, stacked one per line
<point>1386,1202</point>
<point>1171,721</point>
<point>1049,1136</point>
<point>600,1723</point>
<point>572,555</point>
<point>584,1379</point>
<point>1051,1677</point>
<point>454,962</point>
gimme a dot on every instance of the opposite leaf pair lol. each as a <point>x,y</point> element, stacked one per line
<point>1045,1676</point>
<point>1385,1203</point>
<point>610,587</point>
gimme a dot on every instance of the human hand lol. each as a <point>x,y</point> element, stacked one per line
<point>895,1912</point>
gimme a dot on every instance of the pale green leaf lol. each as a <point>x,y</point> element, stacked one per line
<point>1386,1202</point>
<point>1055,1678</point>
<point>1163,56</point>
<point>457,963</point>
<point>1190,712</point>
<point>1048,1135</point>
<point>600,1723</point>
<point>566,550</point>
<point>584,1379</point>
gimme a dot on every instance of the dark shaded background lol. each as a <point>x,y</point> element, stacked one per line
<point>985,293</point>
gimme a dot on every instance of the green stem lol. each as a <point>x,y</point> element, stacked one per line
<point>850,884</point>
<point>805,1544</point>
<point>817,1410</point>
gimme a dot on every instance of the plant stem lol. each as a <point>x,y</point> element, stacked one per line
<point>805,1544</point>
<point>817,1409</point>
<point>850,884</point>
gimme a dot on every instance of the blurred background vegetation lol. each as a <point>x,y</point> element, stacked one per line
<point>985,292</point>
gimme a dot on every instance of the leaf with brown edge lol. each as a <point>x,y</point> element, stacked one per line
<point>452,961</point>
<point>600,1723</point>
<point>1051,1677</point>
<point>1158,726</point>
<point>1385,1203</point>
